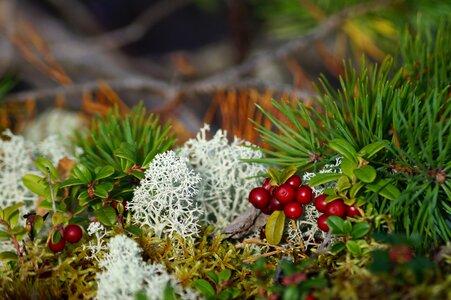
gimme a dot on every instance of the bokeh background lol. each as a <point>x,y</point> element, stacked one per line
<point>61,62</point>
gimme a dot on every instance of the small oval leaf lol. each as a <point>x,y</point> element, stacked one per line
<point>82,172</point>
<point>359,230</point>
<point>336,224</point>
<point>344,148</point>
<point>371,149</point>
<point>274,227</point>
<point>353,248</point>
<point>384,188</point>
<point>323,178</point>
<point>35,184</point>
<point>205,288</point>
<point>103,172</point>
<point>106,216</point>
<point>366,173</point>
<point>45,166</point>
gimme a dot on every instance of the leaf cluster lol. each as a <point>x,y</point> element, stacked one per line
<point>405,109</point>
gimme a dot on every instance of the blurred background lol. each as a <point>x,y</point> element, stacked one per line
<point>61,62</point>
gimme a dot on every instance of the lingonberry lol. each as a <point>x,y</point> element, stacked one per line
<point>336,208</point>
<point>295,181</point>
<point>285,193</point>
<point>293,210</point>
<point>352,211</point>
<point>400,253</point>
<point>267,210</point>
<point>321,221</point>
<point>57,242</point>
<point>320,203</point>
<point>309,296</point>
<point>259,197</point>
<point>304,194</point>
<point>275,204</point>
<point>73,233</point>
<point>267,186</point>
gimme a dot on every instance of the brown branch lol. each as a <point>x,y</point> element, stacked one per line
<point>228,79</point>
<point>133,31</point>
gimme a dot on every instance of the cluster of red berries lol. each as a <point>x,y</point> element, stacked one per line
<point>72,234</point>
<point>289,197</point>
<point>334,208</point>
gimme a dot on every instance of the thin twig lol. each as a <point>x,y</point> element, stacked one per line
<point>52,195</point>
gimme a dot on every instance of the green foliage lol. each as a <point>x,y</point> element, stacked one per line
<point>399,119</point>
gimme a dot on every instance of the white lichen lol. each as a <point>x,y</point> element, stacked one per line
<point>16,160</point>
<point>226,178</point>
<point>164,200</point>
<point>97,245</point>
<point>125,274</point>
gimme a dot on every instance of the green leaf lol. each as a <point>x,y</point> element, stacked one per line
<point>205,288</point>
<point>82,172</point>
<point>355,189</point>
<point>8,256</point>
<point>347,227</point>
<point>48,205</point>
<point>59,218</point>
<point>287,173</point>
<point>71,182</point>
<point>343,183</point>
<point>13,218</point>
<point>100,192</point>
<point>337,247</point>
<point>371,149</point>
<point>348,166</point>
<point>359,230</point>
<point>43,163</point>
<point>336,224</point>
<point>384,188</point>
<point>10,210</point>
<point>35,183</point>
<point>381,262</point>
<point>134,230</point>
<point>103,172</point>
<point>138,174</point>
<point>344,148</point>
<point>169,293</point>
<point>366,173</point>
<point>274,227</point>
<point>323,178</point>
<point>224,275</point>
<point>106,216</point>
<point>4,235</point>
<point>291,293</point>
<point>353,248</point>
<point>126,151</point>
<point>275,175</point>
<point>213,277</point>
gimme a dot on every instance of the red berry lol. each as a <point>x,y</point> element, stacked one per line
<point>295,181</point>
<point>309,297</point>
<point>259,197</point>
<point>56,246</point>
<point>320,203</point>
<point>322,223</point>
<point>352,211</point>
<point>285,193</point>
<point>304,194</point>
<point>275,204</point>
<point>400,253</point>
<point>336,208</point>
<point>267,210</point>
<point>73,233</point>
<point>293,210</point>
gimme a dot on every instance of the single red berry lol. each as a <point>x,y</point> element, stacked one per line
<point>304,194</point>
<point>293,210</point>
<point>320,203</point>
<point>73,233</point>
<point>352,211</point>
<point>336,208</point>
<point>321,221</point>
<point>309,297</point>
<point>285,193</point>
<point>259,197</point>
<point>295,181</point>
<point>400,253</point>
<point>275,204</point>
<point>267,210</point>
<point>55,244</point>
